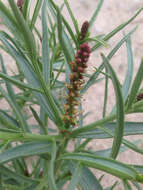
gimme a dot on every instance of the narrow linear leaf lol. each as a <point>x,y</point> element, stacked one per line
<point>8,19</point>
<point>20,178</point>
<point>127,185</point>
<point>129,73</point>
<point>135,86</point>
<point>116,30</point>
<point>62,39</point>
<point>95,14</point>
<point>45,46</point>
<point>75,178</point>
<point>131,128</point>
<point>26,149</point>
<point>32,79</point>
<point>105,93</point>
<point>8,121</point>
<point>110,55</point>
<point>120,110</point>
<point>35,13</point>
<point>69,29</point>
<point>12,101</point>
<point>89,181</point>
<point>23,27</point>
<point>40,122</point>
<point>108,165</point>
<point>25,9</point>
<point>72,16</point>
<point>18,83</point>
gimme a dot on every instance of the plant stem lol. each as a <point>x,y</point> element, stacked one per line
<point>59,152</point>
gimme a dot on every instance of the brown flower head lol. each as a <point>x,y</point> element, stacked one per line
<point>84,30</point>
<point>76,80</point>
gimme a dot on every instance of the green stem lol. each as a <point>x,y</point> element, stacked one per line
<point>60,151</point>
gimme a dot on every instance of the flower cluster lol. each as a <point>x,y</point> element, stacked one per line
<point>76,80</point>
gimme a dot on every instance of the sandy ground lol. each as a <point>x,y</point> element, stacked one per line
<point>112,14</point>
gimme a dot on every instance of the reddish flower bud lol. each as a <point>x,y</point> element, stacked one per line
<point>84,30</point>
<point>20,3</point>
<point>78,60</point>
<point>85,60</point>
<point>81,69</point>
<point>83,46</point>
<point>73,76</point>
<point>78,53</point>
<point>85,54</point>
<point>140,97</point>
<point>84,65</point>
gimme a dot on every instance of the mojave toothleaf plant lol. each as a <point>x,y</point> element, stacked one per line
<point>50,60</point>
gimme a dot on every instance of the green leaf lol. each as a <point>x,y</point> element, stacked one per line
<point>45,46</point>
<point>8,121</point>
<point>24,150</point>
<point>108,165</point>
<point>129,73</point>
<point>51,179</point>
<point>13,175</point>
<point>31,77</point>
<point>88,180</point>
<point>67,25</point>
<point>12,101</point>
<point>126,185</point>
<point>72,16</point>
<point>116,30</point>
<point>132,146</point>
<point>15,109</point>
<point>35,13</point>
<point>120,110</point>
<point>40,122</point>
<point>76,177</point>
<point>101,67</point>
<point>18,83</point>
<point>25,9</point>
<point>25,31</point>
<point>131,128</point>
<point>105,93</point>
<point>135,86</point>
<point>95,14</point>
<point>8,19</point>
<point>63,39</point>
